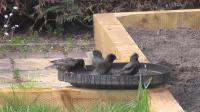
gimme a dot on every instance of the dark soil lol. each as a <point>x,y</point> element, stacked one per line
<point>180,50</point>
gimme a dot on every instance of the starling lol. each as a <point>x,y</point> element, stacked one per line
<point>68,64</point>
<point>103,67</point>
<point>132,67</point>
<point>97,58</point>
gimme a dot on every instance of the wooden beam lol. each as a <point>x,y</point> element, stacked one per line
<point>163,101</point>
<point>69,97</point>
<point>161,19</point>
<point>111,36</point>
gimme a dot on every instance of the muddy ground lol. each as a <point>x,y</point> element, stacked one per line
<point>180,50</point>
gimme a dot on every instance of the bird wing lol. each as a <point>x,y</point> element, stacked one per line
<point>55,61</point>
<point>102,68</point>
<point>130,68</point>
<point>96,60</point>
<point>71,63</point>
<point>127,66</point>
<point>66,63</point>
<point>133,69</point>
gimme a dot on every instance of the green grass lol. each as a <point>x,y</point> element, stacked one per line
<point>16,74</point>
<point>69,39</point>
<point>2,50</point>
<point>21,40</point>
<point>15,103</point>
<point>16,42</point>
<point>12,107</point>
<point>25,85</point>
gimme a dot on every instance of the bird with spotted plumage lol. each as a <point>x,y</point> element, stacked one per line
<point>104,66</point>
<point>132,67</point>
<point>68,65</point>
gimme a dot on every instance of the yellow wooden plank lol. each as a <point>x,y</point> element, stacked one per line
<point>122,14</point>
<point>163,101</point>
<point>70,97</point>
<point>118,34</point>
<point>125,51</point>
<point>89,97</point>
<point>161,19</point>
<point>109,37</point>
<point>43,95</point>
<point>105,19</point>
<point>98,34</point>
<point>115,39</point>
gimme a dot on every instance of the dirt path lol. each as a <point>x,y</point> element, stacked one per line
<point>179,49</point>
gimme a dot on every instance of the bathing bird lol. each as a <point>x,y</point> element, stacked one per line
<point>103,67</point>
<point>132,67</point>
<point>68,64</point>
<point>97,58</point>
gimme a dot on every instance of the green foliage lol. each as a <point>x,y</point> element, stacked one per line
<point>17,40</point>
<point>16,103</point>
<point>2,50</point>
<point>69,39</point>
<point>65,10</point>
<point>141,104</point>
<point>19,43</point>
<point>24,85</point>
<point>14,106</point>
<point>61,11</point>
<point>16,74</point>
<point>58,31</point>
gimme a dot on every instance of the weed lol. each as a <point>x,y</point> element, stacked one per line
<point>16,74</point>
<point>19,43</point>
<point>69,39</point>
<point>21,40</point>
<point>24,85</point>
<point>2,50</point>
<point>58,31</point>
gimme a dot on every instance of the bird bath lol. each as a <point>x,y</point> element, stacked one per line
<point>114,80</point>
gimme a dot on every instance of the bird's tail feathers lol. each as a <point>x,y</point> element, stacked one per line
<point>54,61</point>
<point>51,66</point>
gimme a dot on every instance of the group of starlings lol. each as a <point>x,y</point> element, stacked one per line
<point>101,66</point>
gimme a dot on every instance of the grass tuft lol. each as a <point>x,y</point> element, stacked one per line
<point>16,103</point>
